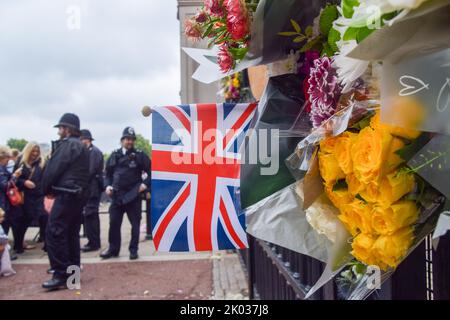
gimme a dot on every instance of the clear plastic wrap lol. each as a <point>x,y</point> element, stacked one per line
<point>266,148</point>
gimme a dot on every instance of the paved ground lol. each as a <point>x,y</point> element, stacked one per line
<point>155,276</point>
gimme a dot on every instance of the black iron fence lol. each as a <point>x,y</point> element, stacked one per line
<point>276,273</point>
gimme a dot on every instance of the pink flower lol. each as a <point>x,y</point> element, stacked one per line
<point>192,30</point>
<point>215,7</point>
<point>237,19</point>
<point>225,59</point>
<point>324,91</point>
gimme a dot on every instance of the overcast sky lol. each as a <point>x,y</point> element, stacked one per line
<point>121,56</point>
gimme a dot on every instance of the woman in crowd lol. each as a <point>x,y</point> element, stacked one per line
<point>5,179</point>
<point>29,182</point>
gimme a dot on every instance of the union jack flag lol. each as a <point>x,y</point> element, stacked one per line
<point>195,176</point>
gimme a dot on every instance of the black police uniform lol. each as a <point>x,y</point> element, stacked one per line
<point>66,177</point>
<point>91,211</point>
<point>124,173</point>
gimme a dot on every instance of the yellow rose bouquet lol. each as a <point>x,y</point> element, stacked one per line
<point>367,180</point>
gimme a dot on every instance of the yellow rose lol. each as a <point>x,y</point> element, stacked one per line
<point>369,153</point>
<point>339,198</point>
<point>399,215</point>
<point>408,123</point>
<point>389,250</point>
<point>394,186</point>
<point>354,185</point>
<point>327,145</point>
<point>371,192</point>
<point>342,151</point>
<point>329,168</point>
<point>357,217</point>
<point>362,248</point>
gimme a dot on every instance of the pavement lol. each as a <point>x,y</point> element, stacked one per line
<point>156,275</point>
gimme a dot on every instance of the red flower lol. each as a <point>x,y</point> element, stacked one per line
<point>201,17</point>
<point>237,19</point>
<point>192,30</point>
<point>225,59</point>
<point>215,7</point>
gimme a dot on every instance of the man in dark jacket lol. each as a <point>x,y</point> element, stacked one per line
<point>91,211</point>
<point>65,178</point>
<point>125,183</point>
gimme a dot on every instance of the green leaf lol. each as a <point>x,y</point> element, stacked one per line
<point>315,43</point>
<point>340,185</point>
<point>363,33</point>
<point>326,50</point>
<point>299,39</point>
<point>347,7</point>
<point>296,26</point>
<point>328,16</point>
<point>363,123</point>
<point>333,37</point>
<point>309,31</point>
<point>238,53</point>
<point>350,34</point>
<point>207,31</point>
<point>287,33</point>
<point>410,150</point>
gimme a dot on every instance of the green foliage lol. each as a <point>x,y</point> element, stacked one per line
<point>325,42</point>
<point>18,144</point>
<point>347,7</point>
<point>328,16</point>
<point>143,144</point>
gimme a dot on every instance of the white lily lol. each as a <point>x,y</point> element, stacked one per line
<point>348,69</point>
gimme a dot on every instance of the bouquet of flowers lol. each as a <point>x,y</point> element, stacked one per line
<point>225,23</point>
<point>369,176</point>
<point>242,34</point>
<point>233,88</point>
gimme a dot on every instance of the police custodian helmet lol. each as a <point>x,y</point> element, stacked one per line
<point>86,134</point>
<point>128,132</point>
<point>69,120</point>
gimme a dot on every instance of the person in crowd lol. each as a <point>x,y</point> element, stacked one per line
<point>10,221</point>
<point>124,170</point>
<point>91,211</point>
<point>5,259</point>
<point>13,160</point>
<point>66,179</point>
<point>29,183</point>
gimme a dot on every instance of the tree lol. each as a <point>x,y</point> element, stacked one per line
<point>143,144</point>
<point>18,144</point>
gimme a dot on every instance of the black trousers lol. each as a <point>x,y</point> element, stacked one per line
<point>30,211</point>
<point>134,213</point>
<point>92,222</point>
<point>63,234</point>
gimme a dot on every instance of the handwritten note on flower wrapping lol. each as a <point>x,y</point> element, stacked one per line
<point>415,92</point>
<point>432,163</point>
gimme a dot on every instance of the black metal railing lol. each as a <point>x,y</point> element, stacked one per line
<point>276,273</point>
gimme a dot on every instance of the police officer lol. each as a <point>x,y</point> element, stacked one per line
<point>124,180</point>
<point>65,178</point>
<point>91,211</point>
